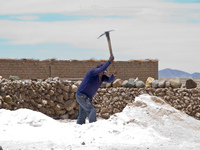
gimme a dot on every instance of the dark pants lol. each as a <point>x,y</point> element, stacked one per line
<point>86,108</point>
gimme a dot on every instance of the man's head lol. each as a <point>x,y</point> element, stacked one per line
<point>100,65</point>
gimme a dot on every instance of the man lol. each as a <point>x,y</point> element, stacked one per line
<point>88,88</point>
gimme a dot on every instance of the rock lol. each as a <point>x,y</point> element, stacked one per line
<point>103,85</point>
<point>65,88</point>
<point>60,112</point>
<point>71,112</point>
<point>35,79</point>
<point>13,78</point>
<point>175,82</point>
<point>159,92</point>
<point>1,98</point>
<point>77,83</point>
<point>167,84</point>
<point>70,104</point>
<point>56,108</point>
<point>51,103</point>
<point>110,109</point>
<point>105,116</point>
<point>74,88</point>
<point>1,103</point>
<point>48,86</point>
<point>51,92</point>
<point>7,106</point>
<point>197,115</point>
<point>44,102</point>
<point>190,84</point>
<point>103,90</point>
<point>56,79</point>
<point>131,82</point>
<point>115,110</point>
<point>149,81</point>
<point>60,99</point>
<point>125,83</point>
<point>154,83</point>
<point>161,84</point>
<point>104,110</point>
<point>108,85</point>
<point>71,96</point>
<point>65,95</point>
<point>8,100</point>
<point>117,83</point>
<point>140,84</point>
<point>65,116</point>
<point>49,80</point>
<point>1,148</point>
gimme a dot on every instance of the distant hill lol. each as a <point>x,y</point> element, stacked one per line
<point>171,73</point>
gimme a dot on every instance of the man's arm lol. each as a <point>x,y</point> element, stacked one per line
<point>97,71</point>
<point>108,79</point>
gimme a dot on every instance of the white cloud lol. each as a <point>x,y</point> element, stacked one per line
<point>89,6</point>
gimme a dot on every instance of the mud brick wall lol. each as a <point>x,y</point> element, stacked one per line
<point>24,68</point>
<point>137,68</point>
<point>42,69</point>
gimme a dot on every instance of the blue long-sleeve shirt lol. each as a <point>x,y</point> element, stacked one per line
<point>92,81</point>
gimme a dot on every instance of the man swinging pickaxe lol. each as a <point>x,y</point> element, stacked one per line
<point>109,42</point>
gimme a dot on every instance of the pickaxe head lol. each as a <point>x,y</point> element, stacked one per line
<point>108,39</point>
<point>106,33</point>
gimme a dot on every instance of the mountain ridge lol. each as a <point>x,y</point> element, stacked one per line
<point>172,73</point>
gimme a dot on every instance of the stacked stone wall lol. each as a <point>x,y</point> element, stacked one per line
<point>113,100</point>
<point>56,98</point>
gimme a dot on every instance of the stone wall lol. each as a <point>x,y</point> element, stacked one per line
<point>112,100</point>
<point>56,98</point>
<point>43,69</point>
<point>52,97</point>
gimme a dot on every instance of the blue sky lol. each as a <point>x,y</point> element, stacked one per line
<point>52,17</point>
<point>42,51</point>
<point>160,29</point>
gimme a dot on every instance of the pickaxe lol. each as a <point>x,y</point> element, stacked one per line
<point>108,39</point>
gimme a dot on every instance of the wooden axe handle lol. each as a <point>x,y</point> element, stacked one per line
<point>109,44</point>
<point>110,48</point>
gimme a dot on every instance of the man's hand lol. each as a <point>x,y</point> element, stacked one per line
<point>114,73</point>
<point>111,59</point>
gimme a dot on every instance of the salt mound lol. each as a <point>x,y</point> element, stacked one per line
<point>148,123</point>
<point>155,114</point>
<point>25,117</point>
